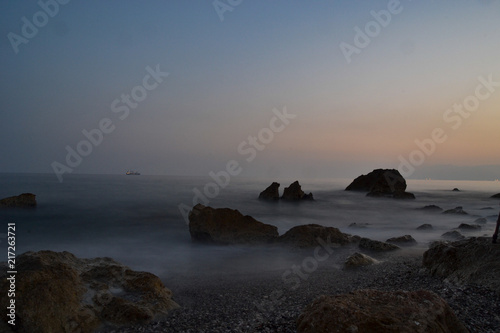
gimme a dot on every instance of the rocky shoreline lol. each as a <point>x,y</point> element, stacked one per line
<point>261,301</point>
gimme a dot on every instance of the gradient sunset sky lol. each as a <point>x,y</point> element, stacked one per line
<point>229,70</point>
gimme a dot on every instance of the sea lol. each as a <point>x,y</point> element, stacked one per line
<point>137,220</point>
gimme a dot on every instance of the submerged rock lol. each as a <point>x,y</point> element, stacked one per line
<point>370,310</point>
<point>456,190</point>
<point>359,260</point>
<point>228,226</point>
<point>425,227</point>
<point>452,235</point>
<point>271,192</point>
<point>382,183</point>
<point>480,220</point>
<point>496,196</point>
<point>469,227</point>
<point>376,246</point>
<point>58,292</point>
<point>294,192</point>
<point>310,235</point>
<point>473,260</point>
<point>24,200</point>
<point>359,225</point>
<point>457,210</point>
<point>406,240</point>
<point>431,208</point>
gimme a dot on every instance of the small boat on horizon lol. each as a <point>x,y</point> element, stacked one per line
<point>132,173</point>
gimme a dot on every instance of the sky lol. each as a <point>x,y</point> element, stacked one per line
<point>301,89</point>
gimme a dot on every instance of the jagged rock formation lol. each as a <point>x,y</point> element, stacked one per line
<point>228,226</point>
<point>58,292</point>
<point>473,260</point>
<point>376,311</point>
<point>25,200</point>
<point>271,192</point>
<point>294,192</point>
<point>382,183</point>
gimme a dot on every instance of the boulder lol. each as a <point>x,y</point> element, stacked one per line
<point>359,260</point>
<point>373,311</point>
<point>311,235</point>
<point>496,196</point>
<point>294,192</point>
<point>381,183</point>
<point>469,227</point>
<point>376,246</point>
<point>457,210</point>
<point>425,227</point>
<point>473,260</point>
<point>480,220</point>
<point>271,192</point>
<point>456,190</point>
<point>452,235</point>
<point>406,240</point>
<point>24,200</point>
<point>431,208</point>
<point>228,226</point>
<point>58,292</point>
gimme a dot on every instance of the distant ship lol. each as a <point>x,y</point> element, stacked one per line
<point>132,173</point>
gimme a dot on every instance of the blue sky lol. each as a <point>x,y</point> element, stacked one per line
<point>226,77</point>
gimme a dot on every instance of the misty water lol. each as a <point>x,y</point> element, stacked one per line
<point>136,219</point>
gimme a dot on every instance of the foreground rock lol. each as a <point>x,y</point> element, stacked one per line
<point>294,192</point>
<point>359,260</point>
<point>58,292</point>
<point>376,246</point>
<point>382,183</point>
<point>310,235</point>
<point>406,240</point>
<point>228,226</point>
<point>25,200</point>
<point>378,311</point>
<point>270,193</point>
<point>472,260</point>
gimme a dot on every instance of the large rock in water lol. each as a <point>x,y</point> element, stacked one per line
<point>270,193</point>
<point>310,235</point>
<point>25,200</point>
<point>472,260</point>
<point>371,311</point>
<point>294,192</point>
<point>228,226</point>
<point>382,183</point>
<point>58,292</point>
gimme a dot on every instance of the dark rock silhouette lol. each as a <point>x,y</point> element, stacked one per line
<point>58,292</point>
<point>470,261</point>
<point>25,200</point>
<point>376,246</point>
<point>406,240</point>
<point>382,183</point>
<point>469,227</point>
<point>294,192</point>
<point>376,311</point>
<point>425,227</point>
<point>228,226</point>
<point>431,208</point>
<point>457,210</point>
<point>271,192</point>
<point>456,190</point>
<point>313,235</point>
<point>496,196</point>
<point>359,225</point>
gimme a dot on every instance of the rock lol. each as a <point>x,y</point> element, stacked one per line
<point>406,240</point>
<point>270,193</point>
<point>496,196</point>
<point>313,235</point>
<point>58,292</point>
<point>294,192</point>
<point>480,220</point>
<point>456,190</point>
<point>376,246</point>
<point>25,200</point>
<point>469,227</point>
<point>431,208</point>
<point>359,225</point>
<point>358,260</point>
<point>452,235</point>
<point>382,183</point>
<point>457,210</point>
<point>228,226</point>
<point>370,310</point>
<point>473,261</point>
<point>425,227</point>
